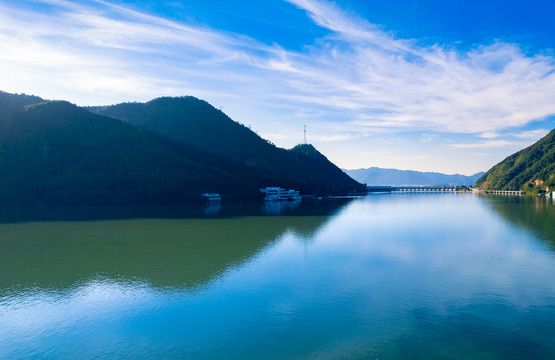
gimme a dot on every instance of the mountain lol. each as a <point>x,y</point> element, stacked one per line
<point>15,102</point>
<point>57,154</point>
<point>380,177</point>
<point>529,170</point>
<point>195,122</point>
<point>193,125</point>
<point>318,168</point>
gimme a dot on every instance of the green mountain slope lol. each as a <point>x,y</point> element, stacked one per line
<point>14,102</point>
<point>56,153</point>
<point>326,177</point>
<point>536,162</point>
<point>195,122</point>
<point>190,123</point>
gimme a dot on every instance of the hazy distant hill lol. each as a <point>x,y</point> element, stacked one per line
<point>377,177</point>
<point>536,162</point>
<point>189,123</point>
<point>55,153</point>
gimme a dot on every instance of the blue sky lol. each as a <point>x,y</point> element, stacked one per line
<point>448,86</point>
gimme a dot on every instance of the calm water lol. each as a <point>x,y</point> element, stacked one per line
<point>391,276</point>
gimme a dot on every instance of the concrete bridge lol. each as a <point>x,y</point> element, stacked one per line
<point>417,188</point>
<point>504,192</point>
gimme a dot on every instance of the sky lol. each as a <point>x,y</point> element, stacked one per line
<point>430,85</point>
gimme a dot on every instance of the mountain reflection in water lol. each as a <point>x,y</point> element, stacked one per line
<point>171,252</point>
<point>531,213</point>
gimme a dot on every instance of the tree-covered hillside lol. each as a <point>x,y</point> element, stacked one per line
<point>193,121</point>
<point>190,123</point>
<point>55,153</point>
<point>518,171</point>
<point>14,102</point>
<point>318,167</point>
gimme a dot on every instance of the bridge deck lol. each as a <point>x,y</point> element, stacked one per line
<point>415,188</point>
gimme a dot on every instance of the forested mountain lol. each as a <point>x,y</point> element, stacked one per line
<point>14,102</point>
<point>379,177</point>
<point>529,170</point>
<point>192,125</point>
<point>55,153</point>
<point>195,122</point>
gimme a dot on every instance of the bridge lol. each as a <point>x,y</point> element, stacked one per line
<point>417,188</point>
<point>504,192</point>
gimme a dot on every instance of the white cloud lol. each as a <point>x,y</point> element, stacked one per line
<point>490,135</point>
<point>358,75</point>
<point>483,144</point>
<point>533,134</point>
<point>489,88</point>
<point>105,48</point>
<point>426,138</point>
<point>393,155</point>
<point>336,137</point>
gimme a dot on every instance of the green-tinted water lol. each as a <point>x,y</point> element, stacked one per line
<point>407,276</point>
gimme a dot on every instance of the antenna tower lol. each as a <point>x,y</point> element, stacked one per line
<point>304,140</point>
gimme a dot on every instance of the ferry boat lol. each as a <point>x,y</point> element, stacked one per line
<point>280,194</point>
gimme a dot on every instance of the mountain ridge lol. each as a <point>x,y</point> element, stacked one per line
<point>193,122</point>
<point>55,153</point>
<point>375,176</point>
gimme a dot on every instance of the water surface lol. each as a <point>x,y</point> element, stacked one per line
<point>387,276</point>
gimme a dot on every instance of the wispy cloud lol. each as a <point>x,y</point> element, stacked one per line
<point>337,137</point>
<point>533,134</point>
<point>428,137</point>
<point>483,144</point>
<point>393,155</point>
<point>490,135</point>
<point>358,75</point>
<point>102,47</point>
<point>489,88</point>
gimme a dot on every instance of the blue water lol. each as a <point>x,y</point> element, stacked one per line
<point>387,276</point>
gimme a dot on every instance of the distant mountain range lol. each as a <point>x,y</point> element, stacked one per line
<point>375,176</point>
<point>529,170</point>
<point>165,151</point>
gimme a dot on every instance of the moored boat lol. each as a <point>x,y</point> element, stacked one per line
<point>275,193</point>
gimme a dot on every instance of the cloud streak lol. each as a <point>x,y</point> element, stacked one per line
<point>103,47</point>
<point>357,79</point>
<point>489,88</point>
<point>533,134</point>
<point>483,144</point>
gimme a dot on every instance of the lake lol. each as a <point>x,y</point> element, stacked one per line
<point>386,276</point>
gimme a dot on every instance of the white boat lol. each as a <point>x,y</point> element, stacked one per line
<point>280,194</point>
